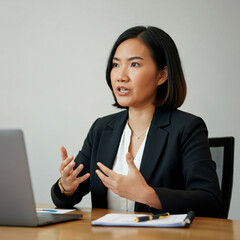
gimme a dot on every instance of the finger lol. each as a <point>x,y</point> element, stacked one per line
<point>108,172</point>
<point>73,177</point>
<point>112,184</point>
<point>130,161</point>
<point>65,163</point>
<point>83,178</point>
<point>77,171</point>
<point>74,184</point>
<point>68,169</point>
<point>103,178</point>
<point>64,154</point>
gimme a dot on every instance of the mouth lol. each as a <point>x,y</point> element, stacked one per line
<point>122,90</point>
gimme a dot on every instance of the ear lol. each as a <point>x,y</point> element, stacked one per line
<point>162,76</point>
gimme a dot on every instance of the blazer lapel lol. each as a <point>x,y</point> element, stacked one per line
<point>110,139</point>
<point>107,149</point>
<point>155,142</point>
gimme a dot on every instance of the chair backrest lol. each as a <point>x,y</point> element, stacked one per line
<point>222,150</point>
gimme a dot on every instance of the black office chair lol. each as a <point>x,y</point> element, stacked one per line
<point>222,150</point>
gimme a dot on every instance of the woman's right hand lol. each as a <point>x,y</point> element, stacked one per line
<point>69,179</point>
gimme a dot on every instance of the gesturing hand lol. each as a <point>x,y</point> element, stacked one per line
<point>132,186</point>
<point>69,179</point>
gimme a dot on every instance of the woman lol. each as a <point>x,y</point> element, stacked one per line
<point>150,157</point>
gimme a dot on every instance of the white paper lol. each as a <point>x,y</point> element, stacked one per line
<point>115,219</point>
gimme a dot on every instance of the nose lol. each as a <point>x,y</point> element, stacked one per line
<point>122,75</point>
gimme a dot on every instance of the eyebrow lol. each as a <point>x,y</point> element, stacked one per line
<point>129,59</point>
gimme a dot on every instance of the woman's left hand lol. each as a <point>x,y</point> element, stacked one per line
<point>132,186</point>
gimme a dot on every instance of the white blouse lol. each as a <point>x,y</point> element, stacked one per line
<point>121,167</point>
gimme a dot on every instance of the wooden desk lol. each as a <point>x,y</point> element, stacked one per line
<point>201,228</point>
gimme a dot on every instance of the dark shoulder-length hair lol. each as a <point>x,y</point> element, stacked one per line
<point>172,93</point>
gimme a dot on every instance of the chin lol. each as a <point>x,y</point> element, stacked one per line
<point>123,105</point>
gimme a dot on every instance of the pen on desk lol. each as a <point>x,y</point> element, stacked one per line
<point>151,217</point>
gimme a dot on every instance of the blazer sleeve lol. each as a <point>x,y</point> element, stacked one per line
<point>202,192</point>
<point>83,157</point>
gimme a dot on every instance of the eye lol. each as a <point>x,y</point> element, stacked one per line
<point>135,64</point>
<point>115,65</point>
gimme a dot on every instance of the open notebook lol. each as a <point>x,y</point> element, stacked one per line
<point>17,206</point>
<point>120,220</point>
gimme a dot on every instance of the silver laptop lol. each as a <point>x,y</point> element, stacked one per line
<point>17,206</point>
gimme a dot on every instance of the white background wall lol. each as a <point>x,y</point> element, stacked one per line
<point>53,55</point>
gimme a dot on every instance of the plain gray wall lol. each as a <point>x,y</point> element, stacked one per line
<point>53,56</point>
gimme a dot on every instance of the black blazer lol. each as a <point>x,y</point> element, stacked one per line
<point>176,162</point>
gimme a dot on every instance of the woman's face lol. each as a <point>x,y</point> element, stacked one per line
<point>134,75</point>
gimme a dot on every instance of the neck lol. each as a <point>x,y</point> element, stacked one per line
<point>139,121</point>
